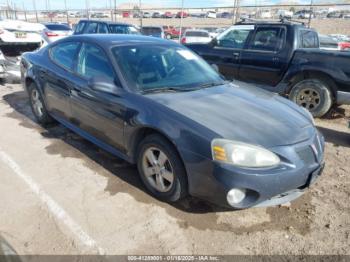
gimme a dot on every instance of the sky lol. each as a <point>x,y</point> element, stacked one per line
<point>80,4</point>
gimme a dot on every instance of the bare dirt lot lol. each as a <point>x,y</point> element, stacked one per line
<point>59,194</point>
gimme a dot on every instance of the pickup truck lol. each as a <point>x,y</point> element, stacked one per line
<point>282,57</point>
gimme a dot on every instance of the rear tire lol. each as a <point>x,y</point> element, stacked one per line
<point>38,106</point>
<point>161,169</point>
<point>314,95</point>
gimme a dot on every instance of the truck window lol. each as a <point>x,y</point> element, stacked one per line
<point>102,28</point>
<point>91,28</point>
<point>308,39</point>
<point>268,39</point>
<point>234,38</point>
<point>79,28</point>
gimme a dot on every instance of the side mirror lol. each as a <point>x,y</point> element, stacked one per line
<point>104,85</point>
<point>214,41</point>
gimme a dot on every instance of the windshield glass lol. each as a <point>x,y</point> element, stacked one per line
<point>157,67</point>
<point>123,29</point>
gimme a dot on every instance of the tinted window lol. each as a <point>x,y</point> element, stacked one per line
<point>308,39</point>
<point>197,34</point>
<point>79,28</point>
<point>268,39</point>
<point>58,27</point>
<point>123,29</point>
<point>234,38</point>
<point>102,28</point>
<point>92,62</point>
<point>160,66</point>
<point>151,31</point>
<point>64,54</point>
<point>91,28</point>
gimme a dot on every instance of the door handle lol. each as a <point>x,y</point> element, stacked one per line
<point>235,55</point>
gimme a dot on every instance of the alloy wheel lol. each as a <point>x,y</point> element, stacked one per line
<point>308,98</point>
<point>37,104</point>
<point>158,169</point>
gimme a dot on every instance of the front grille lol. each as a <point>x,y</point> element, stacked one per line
<point>307,155</point>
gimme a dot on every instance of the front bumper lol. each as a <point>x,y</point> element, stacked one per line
<point>301,165</point>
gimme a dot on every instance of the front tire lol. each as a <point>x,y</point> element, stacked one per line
<point>161,169</point>
<point>314,95</point>
<point>38,106</point>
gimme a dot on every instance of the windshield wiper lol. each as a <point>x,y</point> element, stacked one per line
<point>164,89</point>
<point>212,84</point>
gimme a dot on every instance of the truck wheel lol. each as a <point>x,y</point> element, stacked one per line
<point>312,94</point>
<point>168,36</point>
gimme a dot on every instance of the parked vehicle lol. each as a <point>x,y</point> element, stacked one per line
<point>167,14</point>
<point>99,15</point>
<point>285,58</point>
<point>183,14</point>
<point>55,31</point>
<point>126,14</point>
<point>156,15</point>
<point>304,14</point>
<point>211,14</point>
<point>146,15</point>
<point>265,14</point>
<point>171,32</point>
<point>154,103</point>
<point>328,43</point>
<point>155,31</point>
<point>335,14</point>
<point>213,32</point>
<point>345,46</point>
<point>195,36</point>
<point>225,15</point>
<point>104,27</point>
<point>284,14</point>
<point>18,36</point>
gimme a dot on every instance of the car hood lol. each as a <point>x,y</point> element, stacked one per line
<point>246,114</point>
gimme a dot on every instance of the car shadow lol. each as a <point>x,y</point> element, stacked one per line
<point>100,161</point>
<point>337,138</point>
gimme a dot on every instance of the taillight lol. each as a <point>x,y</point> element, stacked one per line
<point>183,40</point>
<point>50,34</point>
<point>1,31</point>
<point>344,45</point>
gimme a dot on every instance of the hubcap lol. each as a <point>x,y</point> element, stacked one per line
<point>308,98</point>
<point>157,169</point>
<point>37,104</point>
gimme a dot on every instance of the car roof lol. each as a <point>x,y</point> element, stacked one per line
<point>106,22</point>
<point>107,40</point>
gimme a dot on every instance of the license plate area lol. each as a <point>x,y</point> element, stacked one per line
<point>20,34</point>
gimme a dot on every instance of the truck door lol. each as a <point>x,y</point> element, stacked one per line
<point>266,56</point>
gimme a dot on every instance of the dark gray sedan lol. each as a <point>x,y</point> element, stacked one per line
<point>157,104</point>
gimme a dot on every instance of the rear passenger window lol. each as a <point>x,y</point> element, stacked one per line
<point>79,28</point>
<point>308,39</point>
<point>268,39</point>
<point>102,28</point>
<point>91,28</point>
<point>93,62</point>
<point>64,54</point>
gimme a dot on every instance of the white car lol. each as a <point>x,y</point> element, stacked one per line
<point>211,14</point>
<point>265,14</point>
<point>284,14</point>
<point>195,36</point>
<point>55,31</point>
<point>17,37</point>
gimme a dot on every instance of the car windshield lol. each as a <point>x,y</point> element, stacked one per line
<point>58,27</point>
<point>150,68</point>
<point>123,29</point>
<point>154,31</point>
<point>197,34</point>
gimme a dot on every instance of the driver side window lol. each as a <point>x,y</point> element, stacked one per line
<point>234,38</point>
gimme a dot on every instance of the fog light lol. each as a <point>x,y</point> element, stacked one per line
<point>235,196</point>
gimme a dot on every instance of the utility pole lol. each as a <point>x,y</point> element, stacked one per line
<point>311,12</point>
<point>65,7</point>
<point>237,10</point>
<point>140,13</point>
<point>87,9</point>
<point>111,9</point>
<point>181,18</point>
<point>115,10</point>
<point>25,12</point>
<point>36,11</point>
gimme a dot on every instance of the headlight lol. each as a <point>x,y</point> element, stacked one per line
<point>242,155</point>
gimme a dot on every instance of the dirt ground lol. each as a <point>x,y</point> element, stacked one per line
<point>104,198</point>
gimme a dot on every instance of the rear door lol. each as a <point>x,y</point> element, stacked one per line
<point>265,58</point>
<point>97,113</point>
<point>227,48</point>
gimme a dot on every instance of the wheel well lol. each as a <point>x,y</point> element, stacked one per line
<point>28,82</point>
<point>316,75</point>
